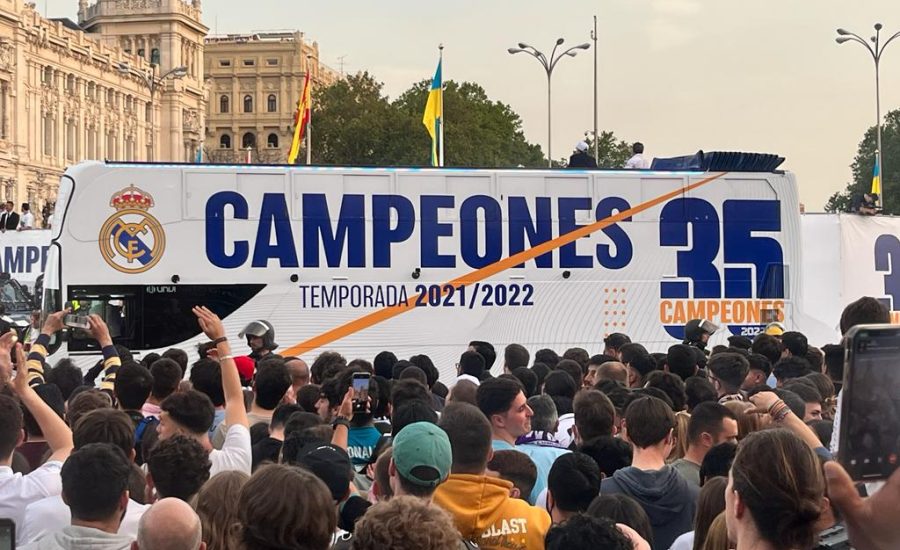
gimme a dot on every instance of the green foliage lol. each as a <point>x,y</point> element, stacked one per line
<point>864,164</point>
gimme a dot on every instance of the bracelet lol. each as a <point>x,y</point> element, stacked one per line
<point>774,405</point>
<point>777,410</point>
<point>226,357</point>
<point>340,422</point>
<point>782,414</point>
<point>220,340</point>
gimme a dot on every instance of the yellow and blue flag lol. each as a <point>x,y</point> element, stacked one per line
<point>434,115</point>
<point>876,177</point>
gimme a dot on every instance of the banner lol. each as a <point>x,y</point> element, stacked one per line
<point>23,254</point>
<point>870,259</point>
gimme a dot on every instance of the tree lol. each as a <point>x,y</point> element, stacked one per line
<point>864,164</point>
<point>613,152</point>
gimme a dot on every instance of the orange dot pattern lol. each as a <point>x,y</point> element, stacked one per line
<point>614,310</point>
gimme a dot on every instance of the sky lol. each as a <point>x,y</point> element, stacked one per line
<point>677,75</point>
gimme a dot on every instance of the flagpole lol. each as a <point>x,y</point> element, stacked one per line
<point>309,122</point>
<point>441,138</point>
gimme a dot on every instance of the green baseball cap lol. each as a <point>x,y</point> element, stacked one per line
<point>419,447</point>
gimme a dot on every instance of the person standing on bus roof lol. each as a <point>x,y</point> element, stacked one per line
<point>637,160</point>
<point>10,219</point>
<point>260,338</point>
<point>27,221</point>
<point>581,158</point>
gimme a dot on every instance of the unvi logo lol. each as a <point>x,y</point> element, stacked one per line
<point>887,260</point>
<point>747,291</point>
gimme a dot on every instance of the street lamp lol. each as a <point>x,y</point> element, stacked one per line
<point>548,65</point>
<point>876,52</point>
<point>153,82</point>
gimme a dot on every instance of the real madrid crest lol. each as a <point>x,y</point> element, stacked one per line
<point>132,240</point>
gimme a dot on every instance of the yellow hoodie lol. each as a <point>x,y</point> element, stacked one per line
<point>485,514</point>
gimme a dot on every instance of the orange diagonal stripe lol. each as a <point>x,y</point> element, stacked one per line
<point>386,313</point>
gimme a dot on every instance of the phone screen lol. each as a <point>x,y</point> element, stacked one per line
<point>870,416</point>
<point>7,535</point>
<point>361,389</point>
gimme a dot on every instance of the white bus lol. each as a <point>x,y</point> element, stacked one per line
<point>361,260</point>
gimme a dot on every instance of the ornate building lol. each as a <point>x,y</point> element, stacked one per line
<point>255,81</point>
<point>95,90</point>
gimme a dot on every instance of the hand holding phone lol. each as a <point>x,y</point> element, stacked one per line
<point>77,321</point>
<point>361,382</point>
<point>7,534</point>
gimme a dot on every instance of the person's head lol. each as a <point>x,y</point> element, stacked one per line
<point>170,524</point>
<point>10,206</point>
<point>789,368</point>
<point>811,397</point>
<point>546,356</point>
<point>503,402</point>
<point>464,391</point>
<point>593,365</point>
<point>206,378</point>
<point>579,355</point>
<point>610,453</point>
<point>308,396</point>
<point>515,356</point>
<point>826,389</point>
<point>298,370</point>
<point>671,385</point>
<point>420,461</point>
<point>132,386</point>
<point>540,370</point>
<point>267,520</point>
<point>560,383</point>
<point>528,380</point>
<point>795,343</point>
<point>638,362</point>
<point>727,372</point>
<point>405,523</point>
<point>517,468</point>
<point>471,363</point>
<point>760,369</point>
<point>105,425</point>
<point>408,390</point>
<point>271,383</point>
<point>699,390</point>
<point>65,376</point>
<point>545,417</point>
<point>166,375</point>
<point>573,369</point>
<point>95,483</point>
<point>470,437</point>
<point>637,148</point>
<point>584,532</point>
<point>623,509</point>
<point>748,421</point>
<point>595,416</point>
<point>649,423</point>
<point>414,373</point>
<point>486,350</point>
<point>84,402</point>
<point>768,346</point>
<point>834,364</point>
<point>425,363</point>
<point>613,343</point>
<point>177,467</point>
<point>410,412</point>
<point>816,359</point>
<point>329,463</point>
<point>611,370</point>
<point>709,425</point>
<point>384,364</point>
<point>25,207</point>
<point>572,484</point>
<point>329,400</point>
<point>774,491</point>
<point>681,361</point>
<point>381,482</point>
<point>188,413</point>
<point>865,311</point>
<point>717,461</point>
<point>217,507</point>
<point>325,365</point>
<point>179,356</point>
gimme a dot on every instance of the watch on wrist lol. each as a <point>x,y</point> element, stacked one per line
<point>340,422</point>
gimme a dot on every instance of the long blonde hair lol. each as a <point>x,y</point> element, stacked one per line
<point>682,418</point>
<point>717,536</point>
<point>217,508</point>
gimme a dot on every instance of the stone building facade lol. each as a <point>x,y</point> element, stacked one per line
<point>70,92</point>
<point>255,81</point>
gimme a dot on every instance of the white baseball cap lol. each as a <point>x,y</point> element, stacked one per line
<point>581,146</point>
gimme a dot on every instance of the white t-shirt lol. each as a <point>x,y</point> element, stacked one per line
<point>27,221</point>
<point>235,453</point>
<point>51,514</point>
<point>684,542</point>
<point>637,162</point>
<point>17,491</point>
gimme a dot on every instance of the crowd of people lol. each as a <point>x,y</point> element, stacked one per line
<point>688,448</point>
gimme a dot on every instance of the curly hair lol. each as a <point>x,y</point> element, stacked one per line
<point>179,466</point>
<point>285,507</point>
<point>217,508</point>
<point>405,523</point>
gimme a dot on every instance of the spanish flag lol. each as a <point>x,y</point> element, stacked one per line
<point>434,116</point>
<point>876,177</point>
<point>301,119</point>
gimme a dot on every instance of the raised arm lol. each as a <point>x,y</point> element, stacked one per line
<point>35,363</point>
<point>235,410</point>
<point>111,361</point>
<point>768,402</point>
<point>55,430</point>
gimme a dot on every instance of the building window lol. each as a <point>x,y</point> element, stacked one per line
<point>272,141</point>
<point>225,142</point>
<point>271,61</point>
<point>248,104</point>
<point>48,136</point>
<point>272,104</point>
<point>249,140</point>
<point>223,104</point>
<point>224,63</point>
<point>249,62</point>
<point>154,56</point>
<point>140,52</point>
<point>47,75</point>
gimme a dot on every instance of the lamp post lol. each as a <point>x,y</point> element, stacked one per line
<point>876,52</point>
<point>153,82</point>
<point>548,64</point>
<point>596,141</point>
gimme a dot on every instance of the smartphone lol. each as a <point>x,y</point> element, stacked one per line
<point>869,446</point>
<point>7,534</point>
<point>77,321</point>
<point>361,382</point>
